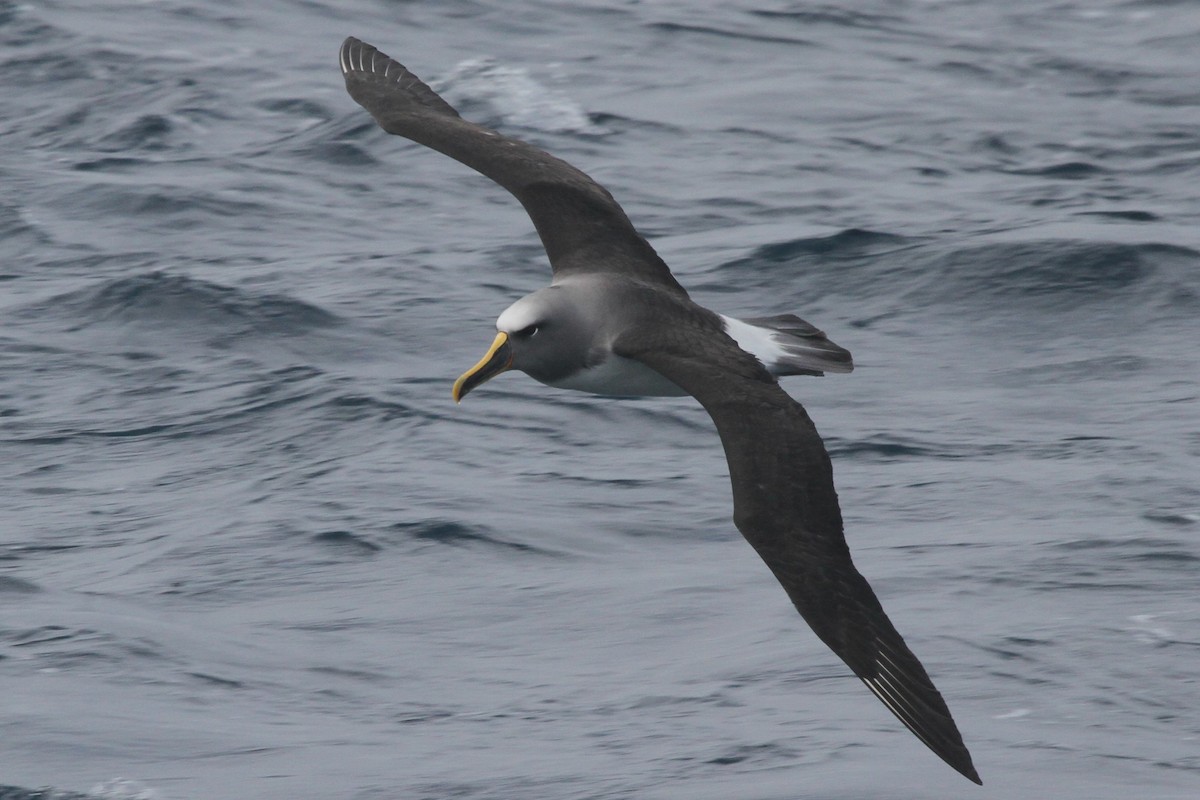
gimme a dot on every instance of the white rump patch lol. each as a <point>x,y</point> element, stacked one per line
<point>787,345</point>
<point>759,342</point>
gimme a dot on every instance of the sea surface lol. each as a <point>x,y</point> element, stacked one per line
<point>250,548</point>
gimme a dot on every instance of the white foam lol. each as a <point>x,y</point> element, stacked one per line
<point>515,97</point>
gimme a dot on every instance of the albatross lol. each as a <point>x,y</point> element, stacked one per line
<point>614,321</point>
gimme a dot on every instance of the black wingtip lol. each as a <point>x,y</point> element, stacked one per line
<point>961,762</point>
<point>967,770</point>
<point>346,54</point>
<point>929,720</point>
<point>384,86</point>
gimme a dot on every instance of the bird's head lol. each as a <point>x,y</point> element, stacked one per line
<point>539,335</point>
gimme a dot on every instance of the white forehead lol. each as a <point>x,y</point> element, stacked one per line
<point>529,310</point>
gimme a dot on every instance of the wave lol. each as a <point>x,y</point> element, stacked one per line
<point>848,243</point>
<point>18,234</point>
<point>44,793</point>
<point>181,303</point>
<point>116,789</point>
<point>448,532</point>
<point>676,29</point>
<point>1032,277</point>
<point>481,88</point>
<point>1058,272</point>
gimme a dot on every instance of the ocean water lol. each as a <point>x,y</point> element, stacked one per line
<point>249,547</point>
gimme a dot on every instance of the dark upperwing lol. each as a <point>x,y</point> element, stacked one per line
<point>582,227</point>
<point>785,504</point>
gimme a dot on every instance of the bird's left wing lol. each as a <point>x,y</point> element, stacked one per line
<point>786,507</point>
<point>581,226</point>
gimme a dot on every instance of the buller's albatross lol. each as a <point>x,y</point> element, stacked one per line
<point>614,321</point>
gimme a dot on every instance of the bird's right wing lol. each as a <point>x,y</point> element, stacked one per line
<point>786,507</point>
<point>581,226</point>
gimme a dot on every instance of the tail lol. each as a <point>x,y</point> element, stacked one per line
<point>787,345</point>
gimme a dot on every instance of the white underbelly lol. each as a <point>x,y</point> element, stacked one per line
<point>620,376</point>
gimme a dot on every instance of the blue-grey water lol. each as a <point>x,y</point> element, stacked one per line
<point>249,548</point>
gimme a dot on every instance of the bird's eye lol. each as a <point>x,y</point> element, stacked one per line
<point>527,331</point>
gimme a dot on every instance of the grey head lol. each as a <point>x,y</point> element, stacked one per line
<point>564,336</point>
<point>547,335</point>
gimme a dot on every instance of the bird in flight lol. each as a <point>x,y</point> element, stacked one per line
<point>615,321</point>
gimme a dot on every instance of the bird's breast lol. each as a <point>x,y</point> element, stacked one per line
<point>618,376</point>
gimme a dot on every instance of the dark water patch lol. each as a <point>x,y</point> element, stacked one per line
<point>627,483</point>
<point>830,15</point>
<point>422,712</point>
<point>1169,518</point>
<point>42,548</point>
<point>1055,272</point>
<point>356,128</point>
<point>745,133</point>
<point>152,132</point>
<point>40,635</point>
<point>343,154</point>
<point>43,793</point>
<point>290,389</point>
<point>142,356</point>
<point>8,13</point>
<point>1067,170</point>
<point>996,143</point>
<point>110,164</point>
<point>354,408</point>
<point>1060,577</point>
<point>1090,79</point>
<point>886,448</point>
<point>297,107</point>
<point>56,646</point>
<point>1081,370</point>
<point>112,433</point>
<point>924,549</point>
<point>348,672</point>
<point>880,448</point>
<point>327,139</point>
<point>177,302</point>
<point>185,209</point>
<point>849,244</point>
<point>1128,216</point>
<point>347,541</point>
<point>50,69</point>
<point>214,680</point>
<point>50,490</point>
<point>967,69</point>
<point>679,29</point>
<point>447,532</point>
<point>1144,548</point>
<point>608,123</point>
<point>681,705</point>
<point>12,585</point>
<point>1014,648</point>
<point>1169,97</point>
<point>1103,563</point>
<point>770,753</point>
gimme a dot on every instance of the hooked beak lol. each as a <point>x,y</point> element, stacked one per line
<point>497,359</point>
